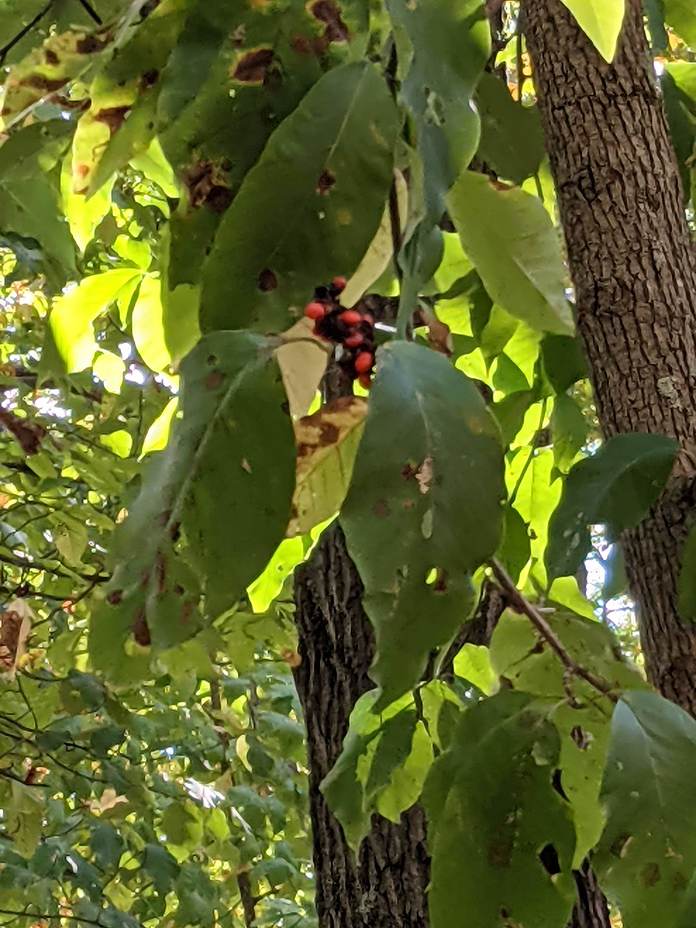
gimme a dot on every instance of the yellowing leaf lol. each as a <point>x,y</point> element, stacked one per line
<point>327,443</point>
<point>148,329</point>
<point>83,215</point>
<point>74,312</point>
<point>120,442</point>
<point>157,435</point>
<point>473,663</point>
<point>302,361</point>
<point>265,588</point>
<point>381,248</point>
<point>601,21</point>
<point>110,369</point>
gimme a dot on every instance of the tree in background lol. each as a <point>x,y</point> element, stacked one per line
<point>292,389</point>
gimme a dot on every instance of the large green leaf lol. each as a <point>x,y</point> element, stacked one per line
<point>503,837</point>
<point>512,140</point>
<point>450,45</point>
<point>424,507</point>
<point>310,207</point>
<point>615,487</point>
<point>647,856</point>
<point>509,236</point>
<point>601,21</point>
<point>213,506</point>
<point>382,766</point>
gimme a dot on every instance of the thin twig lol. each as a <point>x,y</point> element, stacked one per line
<point>6,49</point>
<point>91,12</point>
<point>521,604</point>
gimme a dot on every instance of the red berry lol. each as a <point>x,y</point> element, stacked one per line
<point>365,381</point>
<point>339,283</point>
<point>354,340</point>
<point>315,310</point>
<point>350,317</point>
<point>364,362</point>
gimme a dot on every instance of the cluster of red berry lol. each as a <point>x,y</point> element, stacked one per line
<point>350,328</point>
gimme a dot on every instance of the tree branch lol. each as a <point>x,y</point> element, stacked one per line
<point>91,12</point>
<point>521,604</point>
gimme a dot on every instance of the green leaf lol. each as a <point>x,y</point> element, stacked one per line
<point>529,665</point>
<point>182,824</point>
<point>512,140</point>
<point>299,220</point>
<point>450,45</point>
<point>224,483</point>
<point>498,818</point>
<point>569,429</point>
<point>268,585</point>
<point>615,487</point>
<point>681,16</point>
<point>515,550</point>
<point>687,579</point>
<point>601,21</point>
<point>647,856</point>
<point>473,663</point>
<point>430,459</point>
<point>73,315</point>
<point>584,728</point>
<point>382,766</point>
<point>509,236</point>
<point>23,817</point>
<point>564,361</point>
<point>107,845</point>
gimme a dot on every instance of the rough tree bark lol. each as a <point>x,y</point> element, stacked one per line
<point>633,267</point>
<point>386,886</point>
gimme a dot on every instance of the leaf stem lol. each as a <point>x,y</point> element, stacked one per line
<point>521,604</point>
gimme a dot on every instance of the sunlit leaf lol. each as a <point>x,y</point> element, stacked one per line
<point>510,238</point>
<point>601,20</point>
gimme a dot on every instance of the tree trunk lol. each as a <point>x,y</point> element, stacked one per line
<point>632,265</point>
<point>386,886</point>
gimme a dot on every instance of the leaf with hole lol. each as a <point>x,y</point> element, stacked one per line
<point>430,459</point>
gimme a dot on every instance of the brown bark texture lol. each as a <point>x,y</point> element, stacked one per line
<point>632,264</point>
<point>386,886</point>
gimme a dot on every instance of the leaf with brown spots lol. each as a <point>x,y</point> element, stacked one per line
<point>15,628</point>
<point>503,837</point>
<point>327,443</point>
<point>309,207</point>
<point>212,509</point>
<point>425,496</point>
<point>647,855</point>
<point>62,58</point>
<point>252,67</point>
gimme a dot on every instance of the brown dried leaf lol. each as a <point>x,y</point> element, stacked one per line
<point>15,627</point>
<point>327,443</point>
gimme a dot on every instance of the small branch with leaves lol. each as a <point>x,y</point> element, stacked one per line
<point>541,624</point>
